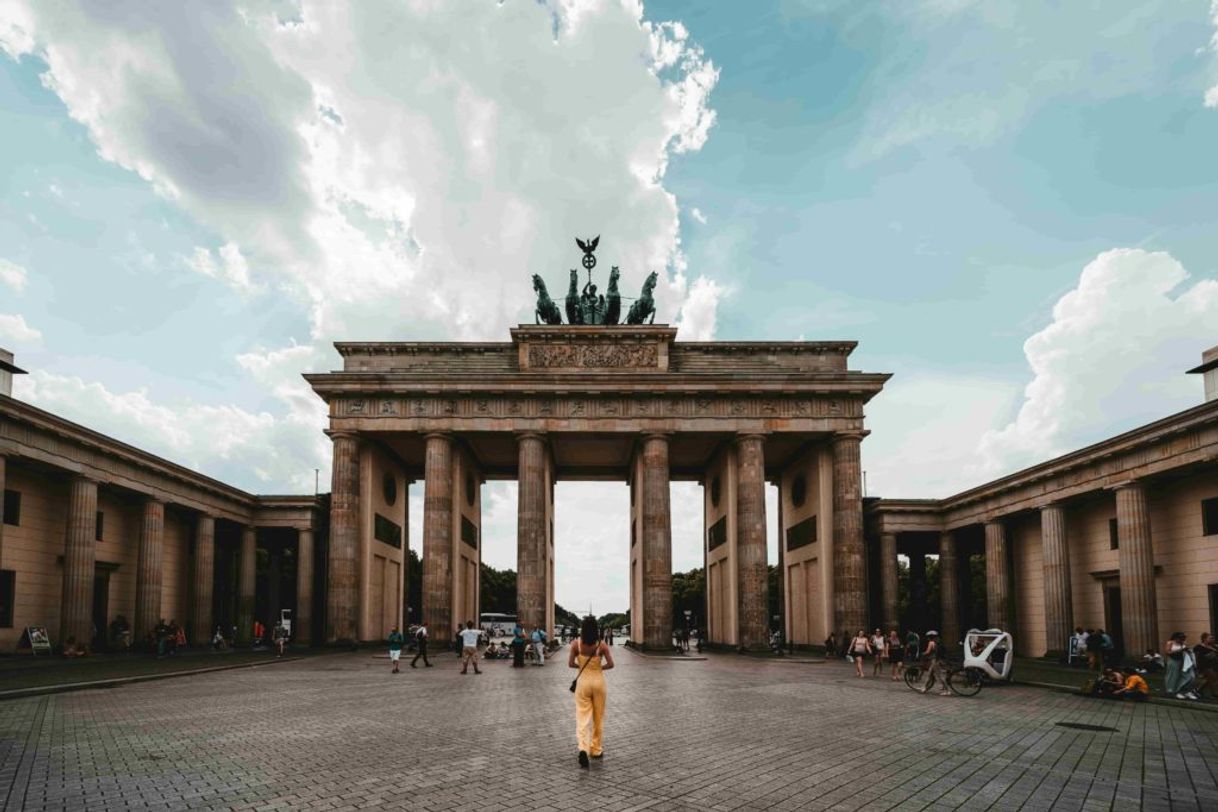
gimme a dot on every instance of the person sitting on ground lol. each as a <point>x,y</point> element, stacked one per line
<point>1152,660</point>
<point>1134,688</point>
<point>73,649</point>
<point>1107,686</point>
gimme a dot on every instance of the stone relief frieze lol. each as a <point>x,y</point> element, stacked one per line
<point>609,406</point>
<point>593,356</point>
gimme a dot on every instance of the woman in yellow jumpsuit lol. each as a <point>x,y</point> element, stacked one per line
<point>590,654</point>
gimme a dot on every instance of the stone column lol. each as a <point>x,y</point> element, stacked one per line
<point>997,578</point>
<point>76,612</point>
<point>1139,603</point>
<point>342,577</point>
<point>657,545</point>
<point>302,621</point>
<point>849,557</point>
<point>888,580</point>
<point>247,579</point>
<point>531,552</point>
<point>917,591</point>
<point>752,575</point>
<point>1057,579</point>
<point>148,569</point>
<point>438,539</point>
<point>949,590</point>
<point>2,475</point>
<point>204,579</point>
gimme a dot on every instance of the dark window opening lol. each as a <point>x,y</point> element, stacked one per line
<point>387,532</point>
<point>717,534</point>
<point>8,594</point>
<point>469,533</point>
<point>802,534</point>
<point>12,507</point>
<point>1209,516</point>
<point>1114,538</point>
<point>101,523</point>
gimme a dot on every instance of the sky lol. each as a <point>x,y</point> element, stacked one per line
<point>1009,205</point>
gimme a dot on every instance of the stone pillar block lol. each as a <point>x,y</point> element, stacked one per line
<point>76,615</point>
<point>302,621</point>
<point>204,571</point>
<point>752,573</point>
<point>849,556</point>
<point>888,580</point>
<point>148,569</point>
<point>657,545</point>
<point>998,593</point>
<point>438,538</point>
<point>342,578</point>
<point>1058,609</point>
<point>531,532</point>
<point>246,583</point>
<point>1139,601</point>
<point>949,590</point>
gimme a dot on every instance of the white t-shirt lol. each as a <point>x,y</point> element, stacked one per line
<point>469,637</point>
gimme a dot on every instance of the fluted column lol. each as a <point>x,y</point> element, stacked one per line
<point>246,582</point>
<point>997,578</point>
<point>888,579</point>
<point>438,537</point>
<point>342,578</point>
<point>302,622</point>
<point>949,590</point>
<point>204,572</point>
<point>849,557</point>
<point>148,569</point>
<point>752,574</point>
<point>2,475</point>
<point>531,554</point>
<point>1057,579</point>
<point>657,545</point>
<point>76,613</point>
<point>1139,603</point>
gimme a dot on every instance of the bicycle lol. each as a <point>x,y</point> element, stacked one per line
<point>961,680</point>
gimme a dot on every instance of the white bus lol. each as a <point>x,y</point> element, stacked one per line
<point>497,624</point>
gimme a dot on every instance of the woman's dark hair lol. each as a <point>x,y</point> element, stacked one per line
<point>589,631</point>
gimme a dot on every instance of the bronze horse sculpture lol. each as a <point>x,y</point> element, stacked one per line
<point>644,306</point>
<point>573,314</point>
<point>613,310</point>
<point>546,311</point>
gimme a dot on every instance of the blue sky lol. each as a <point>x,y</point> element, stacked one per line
<point>1009,205</point>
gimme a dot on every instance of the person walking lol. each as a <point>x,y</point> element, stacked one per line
<point>1206,653</point>
<point>879,651</point>
<point>1181,668</point>
<point>420,638</point>
<point>592,657</point>
<point>518,645</point>
<point>934,664</point>
<point>896,653</point>
<point>539,645</point>
<point>860,647</point>
<point>280,637</point>
<point>469,646</point>
<point>395,648</point>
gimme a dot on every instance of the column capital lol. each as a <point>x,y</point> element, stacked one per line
<point>657,435</point>
<point>850,436</point>
<point>438,435</point>
<point>1127,485</point>
<point>1058,504</point>
<point>342,434</point>
<point>531,435</point>
<point>748,436</point>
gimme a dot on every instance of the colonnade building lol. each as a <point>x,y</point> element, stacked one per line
<point>1121,535</point>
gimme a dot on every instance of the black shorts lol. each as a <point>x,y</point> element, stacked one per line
<point>895,655</point>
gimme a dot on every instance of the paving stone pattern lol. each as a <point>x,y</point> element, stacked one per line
<point>341,732</point>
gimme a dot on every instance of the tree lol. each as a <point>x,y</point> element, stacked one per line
<point>688,593</point>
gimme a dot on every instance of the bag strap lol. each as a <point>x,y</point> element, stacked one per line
<point>588,660</point>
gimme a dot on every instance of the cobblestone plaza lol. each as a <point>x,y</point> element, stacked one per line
<point>341,732</point>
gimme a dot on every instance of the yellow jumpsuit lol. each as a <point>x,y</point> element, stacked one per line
<point>590,704</point>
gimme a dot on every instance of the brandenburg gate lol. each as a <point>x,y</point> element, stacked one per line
<point>595,400</point>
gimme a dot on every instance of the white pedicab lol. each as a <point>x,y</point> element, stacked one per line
<point>991,651</point>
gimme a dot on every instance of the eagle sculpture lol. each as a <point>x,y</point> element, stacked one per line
<point>589,246</point>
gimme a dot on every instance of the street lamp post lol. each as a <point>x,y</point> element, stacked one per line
<point>688,612</point>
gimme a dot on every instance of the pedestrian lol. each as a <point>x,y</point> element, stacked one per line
<point>518,645</point>
<point>831,645</point>
<point>934,664</point>
<point>860,647</point>
<point>592,657</point>
<point>1107,648</point>
<point>1134,688</point>
<point>395,648</point>
<point>280,637</point>
<point>469,647</point>
<point>539,645</point>
<point>1181,668</point>
<point>896,653</point>
<point>879,650</point>
<point>1095,650</point>
<point>420,639</point>
<point>1078,644</point>
<point>1206,653</point>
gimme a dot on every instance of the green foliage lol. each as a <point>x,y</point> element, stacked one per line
<point>688,592</point>
<point>498,592</point>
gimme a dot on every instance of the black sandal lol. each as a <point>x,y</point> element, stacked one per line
<point>583,759</point>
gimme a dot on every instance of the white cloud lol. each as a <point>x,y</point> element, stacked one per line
<point>227,264</point>
<point>1112,358</point>
<point>697,214</point>
<point>13,275</point>
<point>1211,95</point>
<point>13,328</point>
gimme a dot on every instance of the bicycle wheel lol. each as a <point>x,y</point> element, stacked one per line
<point>913,677</point>
<point>965,682</point>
